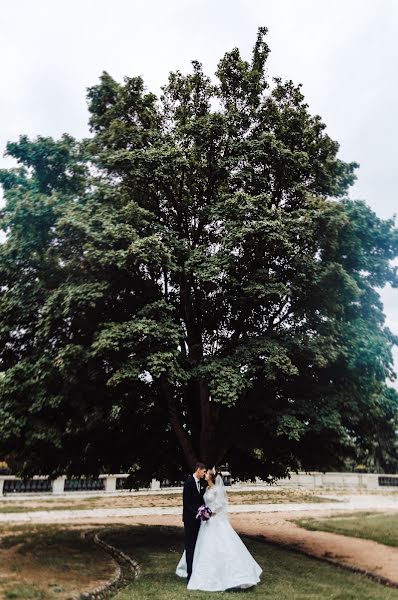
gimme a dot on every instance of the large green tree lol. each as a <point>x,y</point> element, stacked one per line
<point>192,283</point>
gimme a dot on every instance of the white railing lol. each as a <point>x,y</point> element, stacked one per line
<point>356,481</point>
<point>57,486</point>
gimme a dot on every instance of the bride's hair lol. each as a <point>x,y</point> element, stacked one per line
<point>213,475</point>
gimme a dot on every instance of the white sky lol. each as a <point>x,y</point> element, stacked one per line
<point>344,52</point>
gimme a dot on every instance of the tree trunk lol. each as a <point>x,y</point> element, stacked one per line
<point>212,448</point>
<point>175,421</point>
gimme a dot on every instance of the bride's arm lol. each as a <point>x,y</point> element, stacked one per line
<point>220,503</point>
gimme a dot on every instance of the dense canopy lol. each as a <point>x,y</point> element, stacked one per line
<point>192,282</point>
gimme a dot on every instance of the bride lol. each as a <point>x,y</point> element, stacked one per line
<point>221,560</point>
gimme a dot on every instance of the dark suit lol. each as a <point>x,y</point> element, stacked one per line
<point>192,499</point>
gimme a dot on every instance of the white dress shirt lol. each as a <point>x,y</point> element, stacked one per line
<point>197,481</point>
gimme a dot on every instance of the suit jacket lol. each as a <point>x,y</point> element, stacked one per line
<point>192,499</point>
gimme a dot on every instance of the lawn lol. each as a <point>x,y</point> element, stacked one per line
<point>271,496</point>
<point>287,575</point>
<point>53,562</point>
<point>382,528</point>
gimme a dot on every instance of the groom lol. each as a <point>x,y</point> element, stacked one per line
<point>194,488</point>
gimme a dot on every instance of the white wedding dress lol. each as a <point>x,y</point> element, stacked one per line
<point>221,560</point>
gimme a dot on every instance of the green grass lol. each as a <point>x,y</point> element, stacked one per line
<point>382,528</point>
<point>25,591</point>
<point>287,575</point>
<point>271,497</point>
<point>9,509</point>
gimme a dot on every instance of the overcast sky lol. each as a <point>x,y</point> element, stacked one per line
<point>344,52</point>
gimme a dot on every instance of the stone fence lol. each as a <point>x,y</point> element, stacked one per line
<point>355,481</point>
<point>11,485</point>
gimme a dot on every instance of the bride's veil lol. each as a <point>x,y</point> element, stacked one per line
<point>221,492</point>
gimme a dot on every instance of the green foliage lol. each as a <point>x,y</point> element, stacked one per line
<point>192,282</point>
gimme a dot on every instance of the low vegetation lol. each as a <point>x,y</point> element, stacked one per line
<point>382,528</point>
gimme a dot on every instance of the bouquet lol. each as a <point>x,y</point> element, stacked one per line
<point>204,513</point>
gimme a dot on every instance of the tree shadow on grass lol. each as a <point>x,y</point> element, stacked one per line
<point>287,575</point>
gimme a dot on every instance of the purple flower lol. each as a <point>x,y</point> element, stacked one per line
<point>204,513</point>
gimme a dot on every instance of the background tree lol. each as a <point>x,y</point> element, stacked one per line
<point>192,282</point>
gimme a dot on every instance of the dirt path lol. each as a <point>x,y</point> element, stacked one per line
<point>366,555</point>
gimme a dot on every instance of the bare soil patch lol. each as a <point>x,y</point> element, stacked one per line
<point>154,500</point>
<point>48,563</point>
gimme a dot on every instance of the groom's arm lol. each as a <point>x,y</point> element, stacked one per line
<point>187,498</point>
